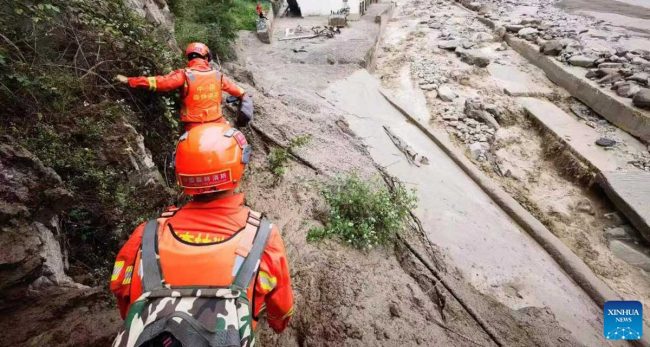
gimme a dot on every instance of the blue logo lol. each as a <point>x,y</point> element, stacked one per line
<point>623,320</point>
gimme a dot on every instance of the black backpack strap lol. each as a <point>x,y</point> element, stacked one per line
<point>151,274</point>
<point>252,262</point>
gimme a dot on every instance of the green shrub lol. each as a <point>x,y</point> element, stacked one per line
<point>278,157</point>
<point>213,22</point>
<point>363,213</point>
<point>57,61</point>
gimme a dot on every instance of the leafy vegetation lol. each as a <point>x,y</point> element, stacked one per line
<point>57,60</point>
<point>362,213</point>
<point>278,157</point>
<point>214,22</point>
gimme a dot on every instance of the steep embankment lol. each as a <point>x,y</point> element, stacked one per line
<point>78,159</point>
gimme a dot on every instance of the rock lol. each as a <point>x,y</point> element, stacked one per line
<point>474,6</point>
<point>553,47</point>
<point>584,206</point>
<point>615,218</point>
<point>331,60</point>
<point>475,109</point>
<point>478,150</point>
<point>156,12</point>
<point>485,9</point>
<point>610,78</point>
<point>641,77</point>
<point>481,36</point>
<point>528,31</point>
<point>623,232</point>
<point>639,61</point>
<point>449,117</point>
<point>395,310</point>
<point>642,98</point>
<point>32,197</point>
<point>514,28</point>
<point>473,57</point>
<point>531,21</point>
<point>500,32</point>
<point>466,44</point>
<point>605,142</point>
<point>610,66</point>
<point>446,94</point>
<point>559,209</point>
<point>428,87</point>
<point>628,90</point>
<point>503,47</point>
<point>449,45</point>
<point>581,60</point>
<point>631,253</point>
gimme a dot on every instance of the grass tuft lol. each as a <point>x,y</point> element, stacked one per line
<point>362,213</point>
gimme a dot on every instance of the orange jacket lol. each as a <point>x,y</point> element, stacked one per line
<point>201,91</point>
<point>202,222</point>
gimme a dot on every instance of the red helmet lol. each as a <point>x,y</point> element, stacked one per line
<point>200,49</point>
<point>210,158</point>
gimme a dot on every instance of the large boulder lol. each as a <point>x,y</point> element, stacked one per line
<point>157,13</point>
<point>476,109</point>
<point>31,198</point>
<point>642,99</point>
<point>581,60</point>
<point>41,305</point>
<point>552,47</point>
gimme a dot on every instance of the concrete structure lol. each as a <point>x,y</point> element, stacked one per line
<point>606,103</point>
<point>627,188</point>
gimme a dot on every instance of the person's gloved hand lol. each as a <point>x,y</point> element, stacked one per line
<point>122,79</point>
<point>245,113</point>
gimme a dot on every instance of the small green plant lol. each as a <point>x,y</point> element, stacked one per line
<point>363,213</point>
<point>278,157</point>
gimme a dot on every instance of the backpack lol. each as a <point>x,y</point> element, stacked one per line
<point>196,316</point>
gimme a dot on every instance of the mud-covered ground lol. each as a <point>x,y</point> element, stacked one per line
<point>519,155</point>
<point>526,161</point>
<point>343,296</point>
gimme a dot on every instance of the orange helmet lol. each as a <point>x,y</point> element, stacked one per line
<point>200,49</point>
<point>210,158</point>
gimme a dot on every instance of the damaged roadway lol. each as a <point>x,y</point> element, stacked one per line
<point>501,271</point>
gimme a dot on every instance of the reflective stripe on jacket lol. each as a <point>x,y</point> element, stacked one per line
<point>199,105</point>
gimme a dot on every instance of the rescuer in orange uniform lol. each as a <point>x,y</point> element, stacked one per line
<point>210,162</point>
<point>202,86</point>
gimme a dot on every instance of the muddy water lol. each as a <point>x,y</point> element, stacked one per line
<point>489,249</point>
<point>631,14</point>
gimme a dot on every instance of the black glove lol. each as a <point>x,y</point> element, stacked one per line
<point>245,113</point>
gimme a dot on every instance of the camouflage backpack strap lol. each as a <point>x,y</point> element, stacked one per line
<point>252,261</point>
<point>151,274</point>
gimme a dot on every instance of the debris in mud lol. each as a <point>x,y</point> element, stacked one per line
<point>475,108</point>
<point>631,253</point>
<point>479,151</point>
<point>642,99</point>
<point>581,60</point>
<point>412,156</point>
<point>605,142</point>
<point>446,94</point>
<point>472,57</point>
<point>552,47</point>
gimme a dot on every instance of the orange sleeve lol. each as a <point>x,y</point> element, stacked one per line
<point>273,291</point>
<point>125,269</point>
<point>165,83</point>
<point>231,88</point>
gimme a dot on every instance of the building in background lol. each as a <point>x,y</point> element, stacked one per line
<point>326,7</point>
